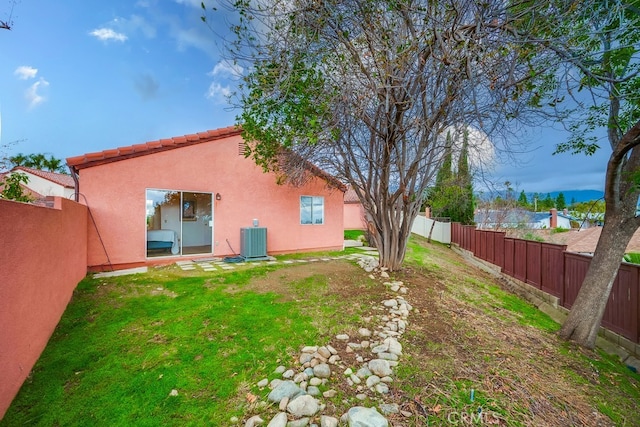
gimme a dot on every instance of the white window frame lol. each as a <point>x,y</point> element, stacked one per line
<point>316,201</point>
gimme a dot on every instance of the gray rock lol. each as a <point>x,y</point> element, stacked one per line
<point>279,420</point>
<point>300,377</point>
<point>285,389</point>
<point>363,372</point>
<point>313,390</point>
<point>382,388</point>
<point>326,421</point>
<point>289,373</point>
<point>274,383</point>
<point>394,346</point>
<point>334,359</point>
<point>305,358</point>
<point>302,422</point>
<point>360,416</point>
<point>382,348</point>
<point>324,352</point>
<point>329,394</point>
<point>309,349</point>
<point>263,383</point>
<point>254,421</point>
<point>332,350</point>
<point>380,367</point>
<point>389,408</point>
<point>280,369</point>
<point>303,406</point>
<point>342,337</point>
<point>364,332</point>
<point>322,370</point>
<point>388,356</point>
<point>315,381</point>
<point>355,346</point>
<point>390,303</point>
<point>283,404</point>
<point>355,379</point>
<point>309,372</point>
<point>373,380</point>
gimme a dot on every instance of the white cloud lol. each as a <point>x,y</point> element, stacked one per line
<point>106,34</point>
<point>33,94</point>
<point>25,72</point>
<point>218,92</point>
<point>227,68</point>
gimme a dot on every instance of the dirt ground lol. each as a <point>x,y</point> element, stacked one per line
<point>461,337</point>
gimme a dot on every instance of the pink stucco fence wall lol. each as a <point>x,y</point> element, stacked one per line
<point>43,256</point>
<point>354,218</point>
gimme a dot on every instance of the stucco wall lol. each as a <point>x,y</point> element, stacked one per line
<point>354,218</point>
<point>115,193</point>
<point>42,258</point>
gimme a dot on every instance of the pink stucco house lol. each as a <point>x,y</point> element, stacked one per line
<point>198,196</point>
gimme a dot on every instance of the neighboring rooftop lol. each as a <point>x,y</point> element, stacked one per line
<point>57,178</point>
<point>350,196</point>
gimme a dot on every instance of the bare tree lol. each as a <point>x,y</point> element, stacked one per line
<point>8,23</point>
<point>365,89</point>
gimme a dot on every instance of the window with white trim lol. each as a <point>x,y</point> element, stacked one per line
<point>311,210</point>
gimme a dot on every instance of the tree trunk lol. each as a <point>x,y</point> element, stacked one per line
<point>621,198</point>
<point>587,311</point>
<point>392,231</point>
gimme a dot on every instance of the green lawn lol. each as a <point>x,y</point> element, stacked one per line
<point>125,343</point>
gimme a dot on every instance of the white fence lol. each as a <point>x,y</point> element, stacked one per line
<point>441,230</point>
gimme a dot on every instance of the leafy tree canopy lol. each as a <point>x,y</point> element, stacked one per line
<point>12,189</point>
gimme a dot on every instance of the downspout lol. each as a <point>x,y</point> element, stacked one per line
<point>76,184</point>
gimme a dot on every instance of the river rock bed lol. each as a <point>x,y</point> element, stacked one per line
<point>310,390</point>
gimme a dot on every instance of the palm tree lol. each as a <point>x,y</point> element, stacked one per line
<point>38,161</point>
<point>54,165</point>
<point>19,160</point>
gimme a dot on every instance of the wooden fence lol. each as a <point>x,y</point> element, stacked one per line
<point>552,269</point>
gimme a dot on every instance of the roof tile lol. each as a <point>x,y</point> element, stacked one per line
<point>58,178</point>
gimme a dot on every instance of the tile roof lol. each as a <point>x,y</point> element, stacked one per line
<point>585,241</point>
<point>108,156</point>
<point>350,196</point>
<point>58,178</point>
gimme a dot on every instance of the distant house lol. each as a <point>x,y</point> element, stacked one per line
<point>191,196</point>
<point>44,183</point>
<point>520,218</point>
<point>584,241</point>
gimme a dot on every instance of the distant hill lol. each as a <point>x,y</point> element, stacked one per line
<point>569,195</point>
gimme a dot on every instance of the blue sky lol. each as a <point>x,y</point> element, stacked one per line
<point>80,76</point>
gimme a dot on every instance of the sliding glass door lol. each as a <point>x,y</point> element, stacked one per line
<point>178,223</point>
